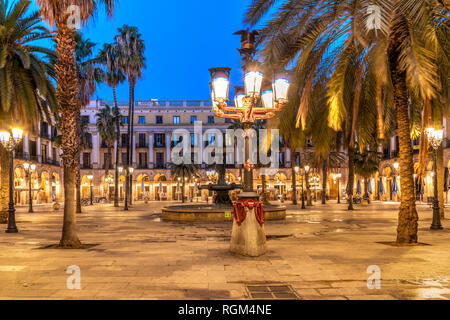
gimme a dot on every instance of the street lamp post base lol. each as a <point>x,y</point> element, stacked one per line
<point>438,227</point>
<point>248,239</point>
<point>12,230</point>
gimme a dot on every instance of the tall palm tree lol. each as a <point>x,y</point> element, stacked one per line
<point>88,76</point>
<point>56,14</point>
<point>107,131</point>
<point>403,53</point>
<point>183,171</point>
<point>131,62</point>
<point>27,94</point>
<point>113,77</point>
<point>293,138</point>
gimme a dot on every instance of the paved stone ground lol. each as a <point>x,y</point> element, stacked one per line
<point>323,252</point>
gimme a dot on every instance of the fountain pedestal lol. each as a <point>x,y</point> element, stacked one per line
<point>249,238</point>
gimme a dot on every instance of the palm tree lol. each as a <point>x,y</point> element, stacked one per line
<point>55,13</point>
<point>403,54</point>
<point>27,94</point>
<point>88,76</point>
<point>293,138</point>
<point>367,163</point>
<point>131,62</point>
<point>107,131</point>
<point>183,171</point>
<point>113,77</point>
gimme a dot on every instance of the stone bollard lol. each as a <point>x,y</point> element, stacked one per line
<point>248,238</point>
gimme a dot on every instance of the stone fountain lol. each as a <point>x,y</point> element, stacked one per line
<point>222,208</point>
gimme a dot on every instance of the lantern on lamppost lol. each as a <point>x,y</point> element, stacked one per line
<point>435,138</point>
<point>29,169</point>
<point>9,140</point>
<point>253,102</point>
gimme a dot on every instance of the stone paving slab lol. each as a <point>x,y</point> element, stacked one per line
<point>322,252</point>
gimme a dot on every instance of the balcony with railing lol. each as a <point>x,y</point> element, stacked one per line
<point>46,160</point>
<point>159,166</point>
<point>159,145</point>
<point>142,145</point>
<point>44,134</point>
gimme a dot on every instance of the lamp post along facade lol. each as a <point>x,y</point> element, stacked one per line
<point>9,140</point>
<point>251,104</point>
<point>29,169</point>
<point>435,137</point>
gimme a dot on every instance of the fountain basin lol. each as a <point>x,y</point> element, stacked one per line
<point>213,213</point>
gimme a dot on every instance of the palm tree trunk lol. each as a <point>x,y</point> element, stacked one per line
<point>4,185</point>
<point>78,186</point>
<point>67,91</point>
<point>264,188</point>
<point>408,218</point>
<point>324,181</point>
<point>116,179</point>
<point>366,189</point>
<point>380,119</point>
<point>351,176</point>
<point>294,185</point>
<point>107,167</point>
<point>130,107</point>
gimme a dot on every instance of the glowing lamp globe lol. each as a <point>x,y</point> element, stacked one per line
<point>281,90</point>
<point>253,82</point>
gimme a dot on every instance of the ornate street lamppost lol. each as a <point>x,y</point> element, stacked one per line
<point>306,170</point>
<point>29,169</point>
<point>91,188</point>
<point>9,140</point>
<point>120,169</point>
<point>251,104</point>
<point>435,137</point>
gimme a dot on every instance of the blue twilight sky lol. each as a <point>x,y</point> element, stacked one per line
<point>183,40</point>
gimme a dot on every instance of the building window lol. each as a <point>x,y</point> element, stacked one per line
<point>281,158</point>
<point>176,119</point>
<point>124,140</point>
<point>86,160</point>
<point>44,153</point>
<point>33,148</point>
<point>124,158</point>
<point>141,119</point>
<point>143,160</point>
<point>194,141</point>
<point>44,130</point>
<point>159,140</point>
<point>142,140</point>
<point>106,160</point>
<point>124,120</point>
<point>210,119</point>
<point>85,119</point>
<point>211,138</point>
<point>193,119</point>
<point>159,160</point>
<point>159,119</point>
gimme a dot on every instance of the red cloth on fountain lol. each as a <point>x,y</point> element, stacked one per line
<point>240,210</point>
